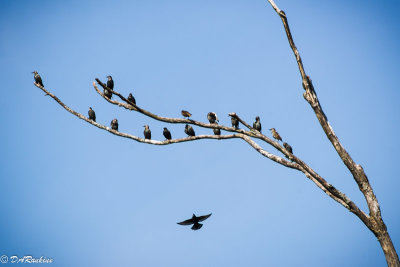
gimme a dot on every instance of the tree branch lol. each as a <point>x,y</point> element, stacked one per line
<point>375,222</point>
<point>131,106</point>
<point>299,165</point>
<point>311,97</point>
<point>133,137</point>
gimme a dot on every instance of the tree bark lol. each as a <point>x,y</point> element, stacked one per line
<point>384,239</point>
<point>374,222</point>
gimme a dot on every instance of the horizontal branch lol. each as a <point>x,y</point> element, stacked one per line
<point>295,164</point>
<point>147,113</point>
<point>133,137</point>
<point>130,106</point>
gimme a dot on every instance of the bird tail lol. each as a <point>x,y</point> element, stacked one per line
<point>197,226</point>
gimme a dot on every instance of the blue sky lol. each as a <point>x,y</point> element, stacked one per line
<point>84,197</point>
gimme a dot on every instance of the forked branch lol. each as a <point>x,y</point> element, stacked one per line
<point>374,221</point>
<point>247,136</point>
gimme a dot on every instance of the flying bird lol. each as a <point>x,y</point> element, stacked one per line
<point>147,132</point>
<point>92,115</point>
<point>114,124</point>
<point>131,99</point>
<point>189,130</point>
<point>110,82</point>
<point>275,134</point>
<point>167,133</point>
<point>186,114</point>
<point>212,117</point>
<point>257,124</point>
<point>195,221</point>
<point>37,77</point>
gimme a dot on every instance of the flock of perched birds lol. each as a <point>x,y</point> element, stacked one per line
<point>211,116</point>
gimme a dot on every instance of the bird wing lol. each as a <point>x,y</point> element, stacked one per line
<point>110,84</point>
<point>204,217</point>
<point>187,222</point>
<point>39,80</point>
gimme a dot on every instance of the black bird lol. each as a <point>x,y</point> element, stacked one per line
<point>131,99</point>
<point>38,79</point>
<point>167,133</point>
<point>92,115</point>
<point>288,147</point>
<point>189,130</point>
<point>186,114</point>
<point>212,117</point>
<point>275,134</point>
<point>195,221</point>
<point>110,82</point>
<point>235,122</point>
<point>217,131</point>
<point>147,132</point>
<point>107,93</point>
<point>114,124</point>
<point>257,124</point>
<point>110,85</point>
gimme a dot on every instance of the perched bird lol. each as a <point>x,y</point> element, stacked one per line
<point>147,132</point>
<point>107,93</point>
<point>217,131</point>
<point>131,99</point>
<point>92,115</point>
<point>167,133</point>
<point>288,147</point>
<point>110,85</point>
<point>189,130</point>
<point>235,122</point>
<point>212,117</point>
<point>195,221</point>
<point>257,124</point>
<point>186,114</point>
<point>38,79</point>
<point>110,82</point>
<point>275,134</point>
<point>114,124</point>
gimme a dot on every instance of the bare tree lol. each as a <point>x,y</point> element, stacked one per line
<point>373,220</point>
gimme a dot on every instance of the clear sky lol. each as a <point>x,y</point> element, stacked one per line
<point>85,197</point>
